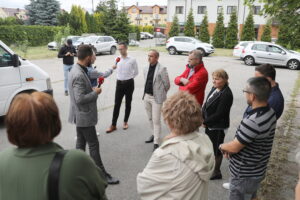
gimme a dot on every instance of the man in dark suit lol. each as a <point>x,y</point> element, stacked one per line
<point>83,107</point>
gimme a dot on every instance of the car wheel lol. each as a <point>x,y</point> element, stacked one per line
<point>113,50</point>
<point>172,50</point>
<point>249,60</point>
<point>202,51</point>
<point>293,64</point>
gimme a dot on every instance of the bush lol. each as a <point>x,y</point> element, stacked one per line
<point>35,35</point>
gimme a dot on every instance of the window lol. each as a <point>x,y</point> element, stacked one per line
<point>231,9</point>
<point>179,39</point>
<point>107,39</point>
<point>220,9</point>
<point>259,47</point>
<point>133,10</point>
<point>179,10</point>
<point>5,58</point>
<point>188,40</point>
<point>101,39</point>
<point>201,9</point>
<point>274,49</point>
<point>256,10</point>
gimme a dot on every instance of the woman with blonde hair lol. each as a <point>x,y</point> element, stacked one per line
<point>181,167</point>
<point>216,112</point>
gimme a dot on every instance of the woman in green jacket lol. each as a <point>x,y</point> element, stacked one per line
<point>32,122</point>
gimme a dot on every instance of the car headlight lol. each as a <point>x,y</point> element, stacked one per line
<point>48,84</point>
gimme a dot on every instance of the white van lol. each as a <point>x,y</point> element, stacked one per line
<point>17,76</point>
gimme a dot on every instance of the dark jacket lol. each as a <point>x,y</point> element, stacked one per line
<point>216,111</point>
<point>67,60</point>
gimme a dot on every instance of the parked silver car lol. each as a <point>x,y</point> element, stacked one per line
<point>266,52</point>
<point>181,44</point>
<point>102,43</point>
<point>237,51</point>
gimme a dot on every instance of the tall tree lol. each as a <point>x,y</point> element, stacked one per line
<point>232,32</point>
<point>174,31</point>
<point>63,18</point>
<point>77,20</point>
<point>287,14</point>
<point>203,33</point>
<point>122,27</point>
<point>248,33</point>
<point>110,11</point>
<point>189,28</point>
<point>219,32</point>
<point>98,26</point>
<point>43,12</point>
<point>266,36</point>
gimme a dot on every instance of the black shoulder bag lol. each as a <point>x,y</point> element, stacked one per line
<point>53,177</point>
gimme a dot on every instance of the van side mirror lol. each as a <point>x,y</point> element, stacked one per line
<point>15,60</point>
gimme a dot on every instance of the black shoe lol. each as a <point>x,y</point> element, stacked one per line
<point>150,140</point>
<point>111,180</point>
<point>216,176</point>
<point>155,147</point>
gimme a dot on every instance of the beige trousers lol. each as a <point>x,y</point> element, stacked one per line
<point>154,113</point>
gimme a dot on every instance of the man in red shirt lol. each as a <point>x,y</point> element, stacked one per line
<point>195,76</point>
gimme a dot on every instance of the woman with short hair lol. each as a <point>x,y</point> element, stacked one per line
<point>32,122</point>
<point>216,112</point>
<point>181,167</point>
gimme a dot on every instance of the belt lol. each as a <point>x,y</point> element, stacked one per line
<point>124,81</point>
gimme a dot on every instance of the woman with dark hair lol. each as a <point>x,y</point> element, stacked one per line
<point>216,112</point>
<point>32,123</point>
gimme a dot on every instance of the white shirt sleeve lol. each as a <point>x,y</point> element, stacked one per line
<point>135,68</point>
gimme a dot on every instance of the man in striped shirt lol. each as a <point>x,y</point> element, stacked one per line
<point>250,150</point>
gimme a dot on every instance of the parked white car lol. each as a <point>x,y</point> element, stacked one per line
<point>53,45</point>
<point>102,44</point>
<point>266,52</point>
<point>180,44</point>
<point>147,35</point>
<point>237,51</point>
<point>19,76</point>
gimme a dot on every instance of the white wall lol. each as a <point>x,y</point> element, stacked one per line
<point>212,6</point>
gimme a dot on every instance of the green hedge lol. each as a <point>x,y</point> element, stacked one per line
<point>35,35</point>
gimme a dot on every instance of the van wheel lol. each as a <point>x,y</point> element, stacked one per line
<point>249,60</point>
<point>113,50</point>
<point>172,50</point>
<point>293,64</point>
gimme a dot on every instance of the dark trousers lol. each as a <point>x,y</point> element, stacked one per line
<point>88,135</point>
<point>217,138</point>
<point>124,88</point>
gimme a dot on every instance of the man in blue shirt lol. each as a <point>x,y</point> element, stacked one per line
<point>276,100</point>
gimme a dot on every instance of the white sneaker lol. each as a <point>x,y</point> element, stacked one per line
<point>226,186</point>
<point>97,133</point>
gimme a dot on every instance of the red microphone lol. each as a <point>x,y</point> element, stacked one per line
<point>118,60</point>
<point>100,81</point>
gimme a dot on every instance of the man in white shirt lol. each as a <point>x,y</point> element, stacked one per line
<point>127,70</point>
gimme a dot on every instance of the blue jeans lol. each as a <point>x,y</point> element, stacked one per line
<point>67,69</point>
<point>244,188</point>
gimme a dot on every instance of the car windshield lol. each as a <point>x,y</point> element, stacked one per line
<point>81,39</point>
<point>75,39</point>
<point>286,49</point>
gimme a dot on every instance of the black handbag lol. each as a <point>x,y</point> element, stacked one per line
<point>53,177</point>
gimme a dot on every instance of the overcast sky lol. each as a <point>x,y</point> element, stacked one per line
<point>87,4</point>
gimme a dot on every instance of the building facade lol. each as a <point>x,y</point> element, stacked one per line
<point>13,12</point>
<point>147,15</point>
<point>181,8</point>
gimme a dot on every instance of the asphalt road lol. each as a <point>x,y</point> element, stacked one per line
<point>124,152</point>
